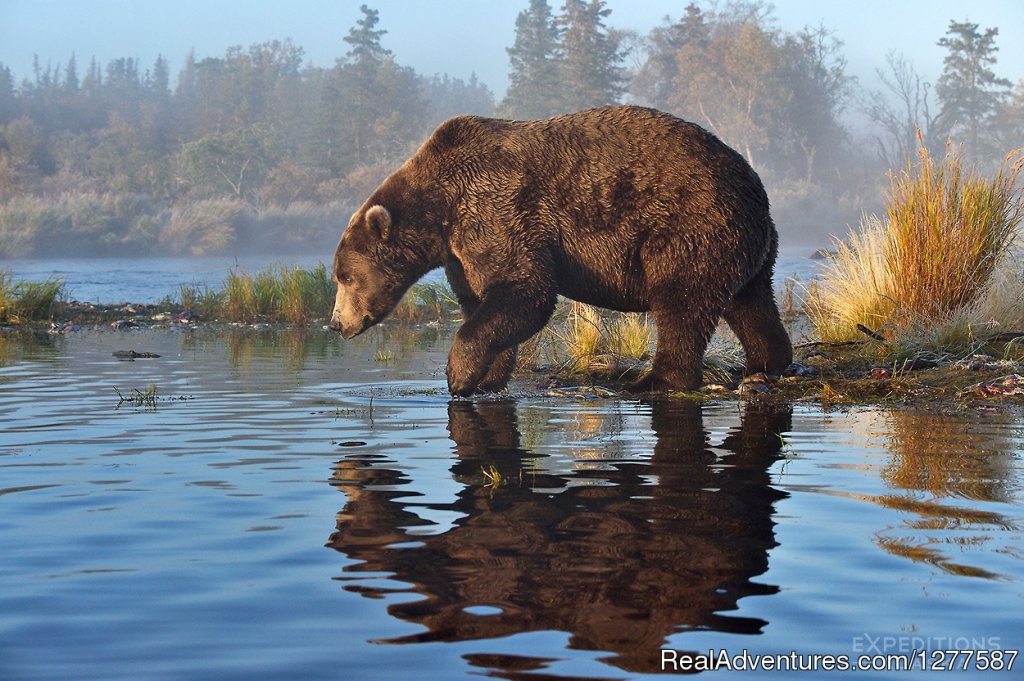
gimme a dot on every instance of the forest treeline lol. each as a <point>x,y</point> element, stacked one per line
<point>257,150</point>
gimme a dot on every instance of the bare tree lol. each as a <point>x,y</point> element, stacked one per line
<point>900,110</point>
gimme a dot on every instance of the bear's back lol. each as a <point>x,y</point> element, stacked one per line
<point>612,137</point>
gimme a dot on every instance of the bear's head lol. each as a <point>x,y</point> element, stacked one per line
<point>373,269</point>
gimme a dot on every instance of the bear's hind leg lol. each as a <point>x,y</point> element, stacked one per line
<point>683,335</point>
<point>754,318</point>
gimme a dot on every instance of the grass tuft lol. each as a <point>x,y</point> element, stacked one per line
<point>948,230</point>
<point>937,272</point>
<point>582,336</point>
<point>426,301</point>
<point>29,301</point>
<point>293,295</point>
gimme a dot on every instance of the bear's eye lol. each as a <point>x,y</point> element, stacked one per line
<point>345,278</point>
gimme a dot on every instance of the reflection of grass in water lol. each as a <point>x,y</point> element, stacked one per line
<point>937,455</point>
<point>138,398</point>
<point>936,464</point>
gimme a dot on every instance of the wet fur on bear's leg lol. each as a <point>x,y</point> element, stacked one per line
<point>500,371</point>
<point>505,317</point>
<point>683,335</point>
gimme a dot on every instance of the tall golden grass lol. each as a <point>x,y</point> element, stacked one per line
<point>588,339</point>
<point>938,268</point>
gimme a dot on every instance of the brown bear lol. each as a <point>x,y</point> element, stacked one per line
<point>621,207</point>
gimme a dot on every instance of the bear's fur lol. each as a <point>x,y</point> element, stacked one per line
<point>621,207</point>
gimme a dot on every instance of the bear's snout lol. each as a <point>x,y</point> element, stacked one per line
<point>350,331</point>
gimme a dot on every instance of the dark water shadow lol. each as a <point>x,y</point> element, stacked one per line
<point>620,557</point>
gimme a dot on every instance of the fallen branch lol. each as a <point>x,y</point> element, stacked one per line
<point>828,344</point>
<point>872,334</point>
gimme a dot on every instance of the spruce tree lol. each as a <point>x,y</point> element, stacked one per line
<point>592,70</point>
<point>370,107</point>
<point>968,89</point>
<point>365,39</point>
<point>655,79</point>
<point>534,89</point>
<point>71,75</point>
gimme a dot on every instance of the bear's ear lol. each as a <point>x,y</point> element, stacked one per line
<point>379,221</point>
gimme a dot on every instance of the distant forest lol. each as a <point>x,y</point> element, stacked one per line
<point>257,151</point>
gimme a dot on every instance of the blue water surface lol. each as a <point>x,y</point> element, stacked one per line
<point>286,505</point>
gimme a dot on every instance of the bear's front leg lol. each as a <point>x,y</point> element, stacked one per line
<point>484,347</point>
<point>501,368</point>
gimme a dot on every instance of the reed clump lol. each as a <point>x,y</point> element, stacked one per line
<point>586,339</point>
<point>938,269</point>
<point>287,294</point>
<point>206,302</point>
<point>22,301</point>
<point>292,295</point>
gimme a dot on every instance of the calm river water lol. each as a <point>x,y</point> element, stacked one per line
<point>151,280</point>
<point>292,506</point>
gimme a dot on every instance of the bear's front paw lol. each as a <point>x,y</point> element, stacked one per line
<point>462,379</point>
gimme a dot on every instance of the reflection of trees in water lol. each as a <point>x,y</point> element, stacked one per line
<point>658,545</point>
<point>938,460</point>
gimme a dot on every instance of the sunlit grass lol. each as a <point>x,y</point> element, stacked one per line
<point>588,340</point>
<point>240,297</point>
<point>854,286</point>
<point>582,336</point>
<point>631,336</point>
<point>937,273</point>
<point>306,294</point>
<point>948,230</point>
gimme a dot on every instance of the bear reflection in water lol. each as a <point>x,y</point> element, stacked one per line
<point>619,558</point>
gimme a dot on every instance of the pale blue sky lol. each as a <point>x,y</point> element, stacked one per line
<point>456,37</point>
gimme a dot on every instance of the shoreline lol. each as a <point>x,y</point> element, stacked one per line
<point>831,375</point>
